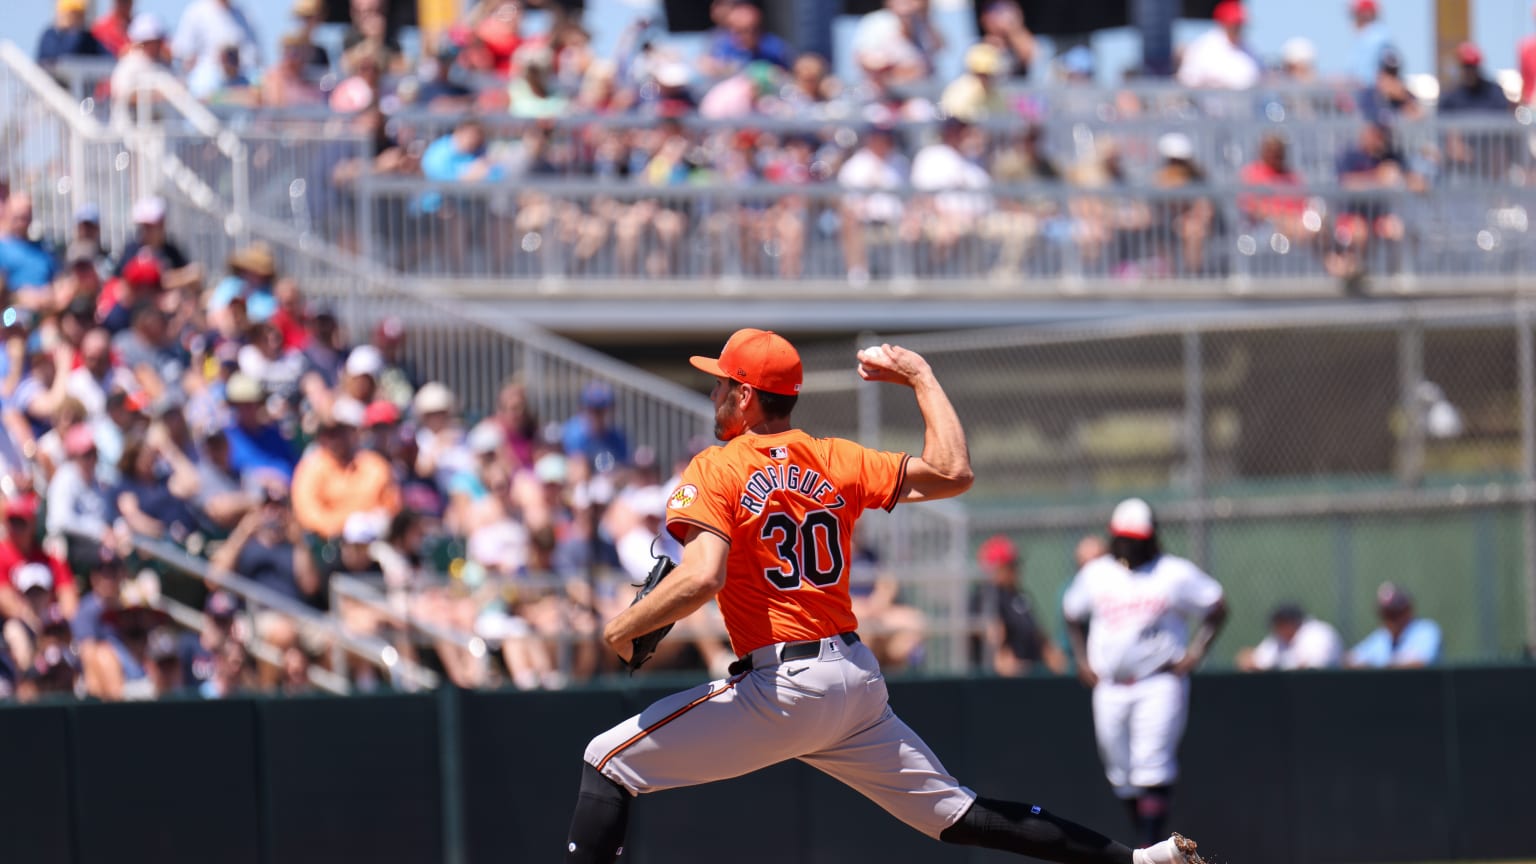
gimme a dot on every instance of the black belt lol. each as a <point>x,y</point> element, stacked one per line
<point>792,651</point>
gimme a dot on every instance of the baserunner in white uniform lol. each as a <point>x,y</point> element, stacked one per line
<point>1134,605</point>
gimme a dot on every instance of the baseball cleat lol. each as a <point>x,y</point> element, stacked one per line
<point>1186,849</point>
<point>1177,849</point>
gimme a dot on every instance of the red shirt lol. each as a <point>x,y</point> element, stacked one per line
<point>1527,54</point>
<point>112,32</point>
<point>11,558</point>
<point>1260,174</point>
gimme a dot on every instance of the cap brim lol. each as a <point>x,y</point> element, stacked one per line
<point>1131,533</point>
<point>708,365</point>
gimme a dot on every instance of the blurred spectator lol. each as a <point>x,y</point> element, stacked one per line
<point>1372,41</point>
<point>975,95</point>
<point>310,14</point>
<point>898,41</point>
<point>1402,641</point>
<point>268,547</point>
<point>1077,65</point>
<point>150,238</point>
<point>1526,58</point>
<point>155,486</point>
<point>460,156</point>
<point>1298,60</point>
<point>206,26</point>
<point>1218,59</point>
<point>336,478</point>
<point>22,632</point>
<point>360,384</point>
<point>810,87</point>
<point>1191,218</point>
<point>878,165</point>
<point>1002,27</point>
<point>164,663</point>
<point>497,30</point>
<point>56,668</point>
<point>98,373</point>
<point>149,352</point>
<point>231,672</point>
<point>894,630</point>
<point>363,65</point>
<point>141,67</point>
<point>324,349</point>
<point>88,234</point>
<point>198,650</point>
<point>948,168</point>
<point>519,423</point>
<point>285,84</point>
<point>22,547</point>
<point>111,29</point>
<point>1372,163</point>
<point>532,93</point>
<point>221,498</point>
<point>79,506</point>
<point>744,93</point>
<point>1023,159</point>
<point>369,21</point>
<point>1296,640</point>
<point>592,434</point>
<point>1473,92</point>
<point>398,379</point>
<point>741,41</point>
<point>68,37</point>
<point>277,368</point>
<point>120,660</point>
<point>26,266</point>
<point>228,85</point>
<point>1286,214</point>
<point>1013,641</point>
<point>252,270</point>
<point>257,446</point>
<point>1389,99</point>
<point>440,436</point>
<point>439,90</point>
<point>295,674</point>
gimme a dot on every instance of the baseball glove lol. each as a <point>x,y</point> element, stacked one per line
<point>643,647</point>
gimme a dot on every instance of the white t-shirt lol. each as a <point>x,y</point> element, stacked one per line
<point>206,27</point>
<point>879,35</point>
<point>1316,645</point>
<point>939,167</point>
<point>1213,61</point>
<point>865,170</point>
<point>1140,617</point>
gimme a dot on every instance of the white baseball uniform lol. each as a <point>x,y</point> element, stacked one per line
<point>1316,645</point>
<point>1140,627</point>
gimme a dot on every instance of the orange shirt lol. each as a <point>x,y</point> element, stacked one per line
<point>326,492</point>
<point>787,504</point>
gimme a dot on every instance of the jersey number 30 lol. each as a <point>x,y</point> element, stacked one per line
<point>802,546</point>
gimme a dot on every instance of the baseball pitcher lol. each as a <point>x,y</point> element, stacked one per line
<point>766,523</point>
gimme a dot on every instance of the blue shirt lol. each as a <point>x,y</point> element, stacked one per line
<point>581,439</point>
<point>262,448</point>
<point>443,160</point>
<point>259,303</point>
<point>1420,643</point>
<point>770,48</point>
<point>1370,44</point>
<point>26,264</point>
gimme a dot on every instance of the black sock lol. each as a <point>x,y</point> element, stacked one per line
<point>597,826</point>
<point>1014,827</point>
<point>1151,814</point>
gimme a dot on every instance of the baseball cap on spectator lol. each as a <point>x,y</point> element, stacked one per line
<point>1468,54</point>
<point>147,211</point>
<point>348,412</point>
<point>486,437</point>
<point>1132,518</point>
<point>1391,597</point>
<point>1229,13</point>
<point>88,213</point>
<point>242,389</point>
<point>759,358</point>
<point>79,440</point>
<point>1287,613</point>
<point>997,551</point>
<point>391,329</point>
<point>1176,146</point>
<point>143,270</point>
<point>1078,61</point>
<point>256,258</point>
<point>365,360</point>
<point>139,596</point>
<point>80,252</point>
<point>221,605</point>
<point>228,353</point>
<point>550,468</point>
<point>983,59</point>
<point>1298,51</point>
<point>1391,61</point>
<point>432,398</point>
<point>364,527</point>
<point>162,645</point>
<point>1363,6</point>
<point>381,413</point>
<point>54,620</point>
<point>597,396</point>
<point>70,6</point>
<point>22,507</point>
<point>30,576</point>
<point>673,75</point>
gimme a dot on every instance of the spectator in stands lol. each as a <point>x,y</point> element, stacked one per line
<point>948,168</point>
<point>269,548</point>
<point>257,447</point>
<point>1473,92</point>
<point>111,29</point>
<point>252,270</point>
<point>364,67</point>
<point>1191,218</point>
<point>532,93</point>
<point>310,14</point>
<point>324,348</point>
<point>360,385</point>
<point>164,666</point>
<point>1389,99</point>
<point>398,378</point>
<point>26,266</point>
<point>592,433</point>
<point>1296,640</point>
<point>1076,65</point>
<point>221,624</point>
<point>440,437</point>
<point>105,572</point>
<point>286,84</point>
<point>1402,641</point>
<point>79,506</point>
<point>1372,42</point>
<point>295,675</point>
<point>1002,27</point>
<point>440,91</point>
<point>22,547</point>
<point>229,85</point>
<point>98,373</point>
<point>206,26</point>
<point>1013,640</point>
<point>1218,59</point>
<point>898,41</point>
<point>231,672</point>
<point>150,353</point>
<point>175,269</point>
<point>121,656</point>
<point>1373,163</point>
<point>141,67</point>
<point>1298,61</point>
<point>88,234</point>
<point>1023,159</point>
<point>1286,214</point>
<point>742,41</point>
<point>975,95</point>
<point>156,484</point>
<point>221,499</point>
<point>810,89</point>
<point>460,156</point>
<point>22,633</point>
<point>875,216</point>
<point>279,370</point>
<point>56,668</point>
<point>68,37</point>
<point>336,478</point>
<point>752,90</point>
<point>895,631</point>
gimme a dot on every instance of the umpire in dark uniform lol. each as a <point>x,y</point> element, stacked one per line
<point>1012,642</point>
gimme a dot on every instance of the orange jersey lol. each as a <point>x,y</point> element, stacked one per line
<point>787,504</point>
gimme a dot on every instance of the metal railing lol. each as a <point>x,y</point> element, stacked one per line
<point>193,620</point>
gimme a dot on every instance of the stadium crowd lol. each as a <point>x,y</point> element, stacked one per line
<point>495,99</point>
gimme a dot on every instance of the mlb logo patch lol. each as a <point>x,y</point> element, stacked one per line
<point>778,452</point>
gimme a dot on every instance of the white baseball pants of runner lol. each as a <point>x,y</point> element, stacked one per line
<point>829,712</point>
<point>1138,727</point>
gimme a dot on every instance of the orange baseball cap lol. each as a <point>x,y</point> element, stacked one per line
<point>760,358</point>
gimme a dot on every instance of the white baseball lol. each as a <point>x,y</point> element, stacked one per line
<point>872,354</point>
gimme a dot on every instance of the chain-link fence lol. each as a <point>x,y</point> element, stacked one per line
<point>1299,455</point>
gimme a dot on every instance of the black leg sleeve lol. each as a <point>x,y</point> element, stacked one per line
<point>1026,830</point>
<point>1152,813</point>
<point>597,826</point>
